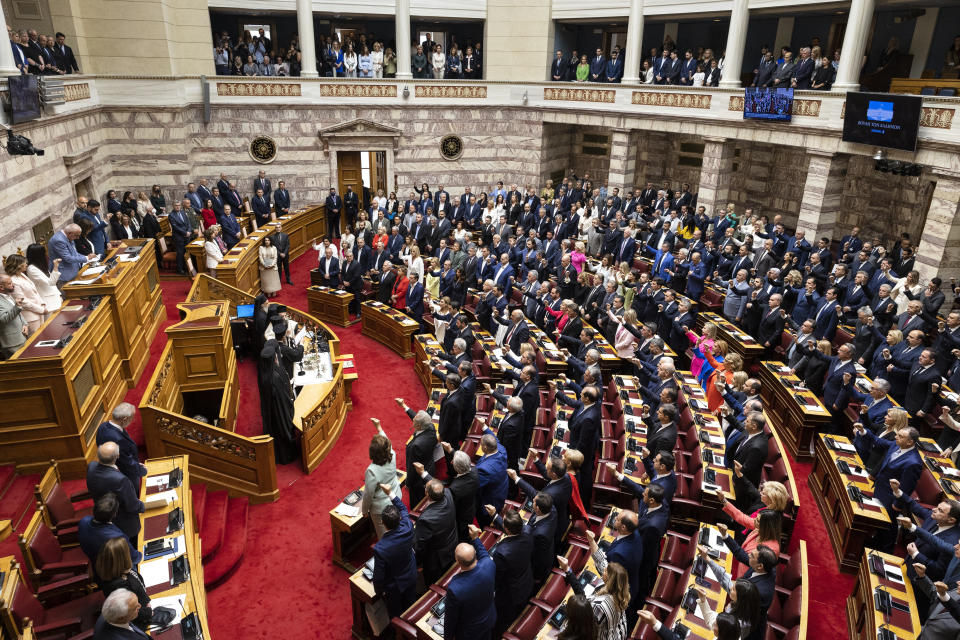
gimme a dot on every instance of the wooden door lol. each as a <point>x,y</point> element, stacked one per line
<point>349,173</point>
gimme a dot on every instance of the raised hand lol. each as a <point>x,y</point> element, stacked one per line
<point>399,402</point>
<point>723,530</point>
<point>564,563</point>
<point>418,467</point>
<point>490,509</point>
<point>894,485</point>
<point>385,488</point>
<point>473,531</point>
<point>647,616</point>
<point>512,474</point>
<point>446,447</point>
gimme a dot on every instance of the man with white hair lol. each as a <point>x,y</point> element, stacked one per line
<point>104,477</point>
<point>60,246</point>
<point>115,430</point>
<point>119,610</point>
<point>419,450</point>
<point>463,487</point>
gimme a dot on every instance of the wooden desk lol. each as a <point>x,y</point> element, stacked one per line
<point>361,595</point>
<point>849,523</point>
<point>192,590</point>
<point>556,362</point>
<point>490,349</point>
<point>330,305</point>
<point>609,359</point>
<point>53,398</point>
<point>388,326</point>
<point>863,619</point>
<point>940,467</point>
<point>738,341</point>
<point>423,344</point>
<point>715,592</point>
<point>135,303</point>
<point>240,267</point>
<point>798,422</point>
<point>196,248</point>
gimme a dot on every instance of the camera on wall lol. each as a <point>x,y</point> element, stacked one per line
<point>18,145</point>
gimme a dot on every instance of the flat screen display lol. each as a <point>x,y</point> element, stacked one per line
<point>767,104</point>
<point>882,120</point>
<point>24,98</point>
<point>245,310</point>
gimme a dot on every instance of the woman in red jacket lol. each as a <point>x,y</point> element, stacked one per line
<point>400,286</point>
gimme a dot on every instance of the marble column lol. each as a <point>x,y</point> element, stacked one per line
<point>308,48</point>
<point>631,66</point>
<point>623,160</point>
<point>714,190</point>
<point>854,45</point>
<point>7,65</point>
<point>939,251</point>
<point>403,40</point>
<point>822,194</point>
<point>736,41</point>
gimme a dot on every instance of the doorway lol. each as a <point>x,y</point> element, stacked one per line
<point>84,188</point>
<point>349,174</point>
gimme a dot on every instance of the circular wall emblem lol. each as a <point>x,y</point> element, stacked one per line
<point>263,149</point>
<point>451,147</point>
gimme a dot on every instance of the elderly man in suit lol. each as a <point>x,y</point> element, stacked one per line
<point>841,372</point>
<point>584,427</point>
<point>463,487</point>
<point>943,616</point>
<point>262,183</point>
<point>470,604</point>
<point>419,450</point>
<point>942,522</point>
<point>61,246</point>
<point>491,472</point>
<point>901,462</point>
<point>119,611</point>
<point>351,276</point>
<point>13,328</point>
<point>115,430</point>
<point>435,533</point>
<point>103,477</point>
<point>395,564</point>
<point>512,556</point>
<point>875,404</point>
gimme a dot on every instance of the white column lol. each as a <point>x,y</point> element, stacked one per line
<point>631,66</point>
<point>308,48</point>
<point>854,45</point>
<point>920,43</point>
<point>736,41</point>
<point>403,40</point>
<point>7,65</point>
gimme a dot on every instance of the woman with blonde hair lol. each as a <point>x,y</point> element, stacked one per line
<point>33,309</point>
<point>721,375</point>
<point>702,343</point>
<point>432,280</point>
<point>610,601</point>
<point>625,337</point>
<point>895,420</point>
<point>895,344</point>
<point>414,262</point>
<point>577,257</point>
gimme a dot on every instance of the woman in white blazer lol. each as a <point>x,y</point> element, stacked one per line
<point>44,278</point>
<point>32,309</point>
<point>211,248</point>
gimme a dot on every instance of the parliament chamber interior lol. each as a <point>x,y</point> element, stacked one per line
<point>480,320</point>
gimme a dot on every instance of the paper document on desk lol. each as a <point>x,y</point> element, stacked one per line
<point>128,258</point>
<point>843,446</point>
<point>94,271</point>
<point>873,502</point>
<point>158,481</point>
<point>155,572</point>
<point>175,603</point>
<point>440,329</point>
<point>349,511</point>
<point>86,281</point>
<point>162,499</point>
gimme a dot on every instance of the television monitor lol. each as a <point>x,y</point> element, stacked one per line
<point>24,98</point>
<point>245,310</point>
<point>882,120</point>
<point>767,104</point>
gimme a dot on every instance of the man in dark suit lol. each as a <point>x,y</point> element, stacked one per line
<point>558,70</point>
<point>512,556</point>
<point>529,394</point>
<point>470,604</point>
<point>103,477</point>
<point>115,430</point>
<point>874,409</point>
<point>943,522</point>
<point>559,487</point>
<point>351,205</point>
<point>841,373</point>
<point>659,471</point>
<point>334,206</point>
<point>762,572</point>
<point>329,268</point>
<point>387,280</point>
<point>652,524</point>
<point>183,232</point>
<point>920,396</point>
<point>282,242</point>
<point>281,199</point>
<point>803,70</point>
<point>395,564</point>
<point>771,324</point>
<point>598,65</point>
<point>491,470</point>
<point>764,73</point>
<point>66,61</point>
<point>463,487</point>
<point>614,68</point>
<point>93,531</point>
<point>419,449</point>
<point>749,453</point>
<point>435,533</point>
<point>942,620</point>
<point>826,317</point>
<point>584,426</point>
<point>262,183</point>
<point>662,433</point>
<point>261,208</point>
<point>119,610</point>
<point>518,333</point>
<point>351,275</point>
<point>627,551</point>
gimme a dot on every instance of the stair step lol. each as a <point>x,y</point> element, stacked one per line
<point>198,496</point>
<point>232,549</point>
<point>18,501</point>
<point>7,473</point>
<point>214,523</point>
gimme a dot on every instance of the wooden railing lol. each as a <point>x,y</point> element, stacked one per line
<point>933,86</point>
<point>240,464</point>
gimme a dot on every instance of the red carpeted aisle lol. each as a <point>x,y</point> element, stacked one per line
<point>287,585</point>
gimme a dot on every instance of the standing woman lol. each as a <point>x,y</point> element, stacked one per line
<point>32,309</point>
<point>114,570</point>
<point>211,249</point>
<point>44,278</point>
<point>207,213</point>
<point>269,276</point>
<point>390,63</point>
<point>583,69</point>
<point>376,59</point>
<point>626,336</point>
<point>158,201</point>
<point>609,602</point>
<point>400,287</point>
<point>381,470</point>
<point>432,280</point>
<point>415,262</point>
<point>419,63</point>
<point>438,62</point>
<point>366,63</point>
<point>350,62</point>
<point>704,343</point>
<point>454,65</point>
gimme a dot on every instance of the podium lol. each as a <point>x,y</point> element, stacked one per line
<point>329,305</point>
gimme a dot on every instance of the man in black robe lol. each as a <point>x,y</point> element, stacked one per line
<point>276,401</point>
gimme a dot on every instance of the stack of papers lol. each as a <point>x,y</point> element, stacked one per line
<point>347,510</point>
<point>155,572</point>
<point>162,499</point>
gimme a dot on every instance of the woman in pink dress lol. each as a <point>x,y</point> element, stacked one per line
<point>577,257</point>
<point>703,343</point>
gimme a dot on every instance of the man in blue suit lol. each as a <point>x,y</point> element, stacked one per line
<point>93,531</point>
<point>951,574</point>
<point>803,70</point>
<point>415,299</point>
<point>329,269</point>
<point>98,234</point>
<point>841,372</point>
<point>492,475</point>
<point>470,609</point>
<point>799,247</point>
<point>653,521</point>
<point>503,273</point>
<point>60,247</point>
<point>261,208</point>
<point>598,66</point>
<point>687,68</point>
<point>614,70</point>
<point>115,430</point>
<point>183,232</point>
<point>395,565</point>
<point>943,522</point>
<point>875,405</point>
<point>826,317</point>
<point>229,226</point>
<point>104,477</point>
<point>281,199</point>
<point>659,470</point>
<point>695,277</point>
<point>559,488</point>
<point>584,427</point>
<point>193,197</point>
<point>663,262</point>
<point>627,551</point>
<point>627,249</point>
<point>901,462</point>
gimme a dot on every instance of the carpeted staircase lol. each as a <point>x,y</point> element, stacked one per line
<point>222,524</point>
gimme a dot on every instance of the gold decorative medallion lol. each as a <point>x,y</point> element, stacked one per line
<point>451,147</point>
<point>263,149</point>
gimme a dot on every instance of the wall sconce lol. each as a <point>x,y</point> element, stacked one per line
<point>526,97</point>
<point>406,92</point>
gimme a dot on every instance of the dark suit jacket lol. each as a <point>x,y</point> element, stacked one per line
<point>395,567</point>
<point>129,462</point>
<point>919,396</point>
<point>628,552</point>
<point>662,439</point>
<point>560,491</point>
<point>929,555</point>
<point>419,449</point>
<point>103,630</point>
<point>435,536</point>
<point>514,582</point>
<point>543,531</point>
<point>906,468</point>
<point>281,201</point>
<point>92,535</point>
<point>102,479</point>
<point>470,609</point>
<point>751,453</point>
<point>771,327</point>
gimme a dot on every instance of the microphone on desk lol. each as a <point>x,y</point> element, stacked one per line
<point>64,339</point>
